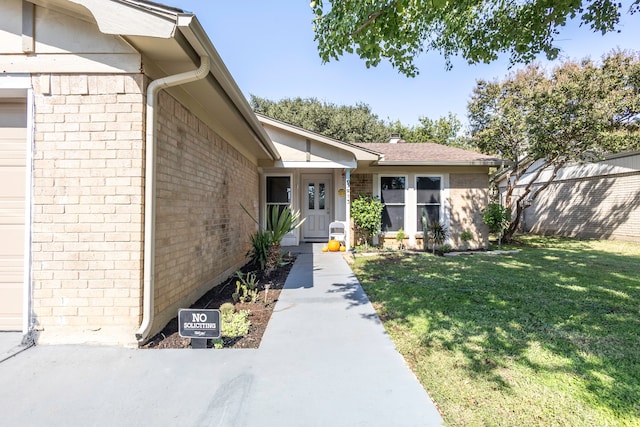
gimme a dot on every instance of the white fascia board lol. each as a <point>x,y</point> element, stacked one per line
<point>131,18</point>
<point>316,165</point>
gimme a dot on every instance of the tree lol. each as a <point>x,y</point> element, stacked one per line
<point>345,123</point>
<point>539,122</point>
<point>476,30</point>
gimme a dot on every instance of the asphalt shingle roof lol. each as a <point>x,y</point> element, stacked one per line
<point>426,152</point>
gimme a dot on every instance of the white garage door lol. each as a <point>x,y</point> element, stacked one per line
<point>13,130</point>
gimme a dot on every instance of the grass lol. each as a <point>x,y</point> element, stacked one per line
<point>549,336</point>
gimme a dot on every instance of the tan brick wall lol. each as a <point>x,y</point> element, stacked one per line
<point>361,184</point>
<point>597,207</point>
<point>87,208</point>
<point>468,194</point>
<point>201,230</point>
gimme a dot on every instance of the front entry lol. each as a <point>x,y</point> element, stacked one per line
<point>316,207</point>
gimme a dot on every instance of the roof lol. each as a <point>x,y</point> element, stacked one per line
<point>427,154</point>
<point>359,151</point>
<point>172,41</point>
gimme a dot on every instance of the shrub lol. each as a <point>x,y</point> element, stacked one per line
<point>366,212</point>
<point>497,218</point>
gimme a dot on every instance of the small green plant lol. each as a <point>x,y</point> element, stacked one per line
<point>438,233</point>
<point>260,245</point>
<point>445,248</point>
<point>497,218</point>
<point>232,325</point>
<point>246,288</point>
<point>400,236</point>
<point>227,308</point>
<point>280,221</point>
<point>466,236</point>
<point>235,324</point>
<point>366,212</point>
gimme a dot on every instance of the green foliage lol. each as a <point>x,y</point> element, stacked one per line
<point>345,123</point>
<point>477,31</point>
<point>265,244</point>
<point>227,307</point>
<point>541,121</point>
<point>438,233</point>
<point>497,218</point>
<point>260,244</point>
<point>281,221</point>
<point>366,212</point>
<point>400,235</point>
<point>465,236</point>
<point>246,288</point>
<point>235,324</point>
<point>547,336</point>
<point>358,123</point>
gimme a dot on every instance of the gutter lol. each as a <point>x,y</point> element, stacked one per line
<point>150,189</point>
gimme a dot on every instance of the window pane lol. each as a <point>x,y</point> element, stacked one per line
<point>312,196</point>
<point>321,197</point>
<point>278,189</point>
<point>392,189</point>
<point>428,189</point>
<point>392,218</point>
<point>433,215</point>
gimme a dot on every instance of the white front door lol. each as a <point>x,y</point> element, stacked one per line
<point>316,206</point>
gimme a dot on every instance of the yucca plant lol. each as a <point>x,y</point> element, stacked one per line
<point>267,243</point>
<point>279,223</point>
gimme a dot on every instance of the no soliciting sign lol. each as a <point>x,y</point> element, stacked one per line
<point>195,323</point>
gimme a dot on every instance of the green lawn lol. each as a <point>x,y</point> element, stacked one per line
<point>549,336</point>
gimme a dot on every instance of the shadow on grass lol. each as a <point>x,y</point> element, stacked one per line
<point>580,305</point>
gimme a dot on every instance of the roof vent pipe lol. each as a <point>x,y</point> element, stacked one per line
<point>150,188</point>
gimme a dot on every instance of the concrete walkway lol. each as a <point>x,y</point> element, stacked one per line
<point>325,360</point>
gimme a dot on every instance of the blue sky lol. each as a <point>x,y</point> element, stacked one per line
<point>269,49</point>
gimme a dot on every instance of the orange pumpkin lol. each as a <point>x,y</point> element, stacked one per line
<point>334,245</point>
<point>325,248</point>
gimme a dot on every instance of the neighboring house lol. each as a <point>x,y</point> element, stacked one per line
<point>321,176</point>
<point>599,199</point>
<point>126,152</point>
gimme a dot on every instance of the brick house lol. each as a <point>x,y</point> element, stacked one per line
<point>126,152</point>
<point>327,175</point>
<point>598,199</point>
<point>121,197</point>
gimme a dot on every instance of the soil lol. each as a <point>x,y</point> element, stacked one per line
<point>259,312</point>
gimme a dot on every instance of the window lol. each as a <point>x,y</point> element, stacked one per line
<point>392,194</point>
<point>428,199</point>
<point>278,193</point>
<point>311,191</point>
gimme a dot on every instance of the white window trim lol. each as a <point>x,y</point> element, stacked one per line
<point>441,212</point>
<point>406,198</point>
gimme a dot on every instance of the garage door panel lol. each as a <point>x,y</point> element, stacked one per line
<point>12,214</point>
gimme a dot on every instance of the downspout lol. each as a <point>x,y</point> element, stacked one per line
<point>150,189</point>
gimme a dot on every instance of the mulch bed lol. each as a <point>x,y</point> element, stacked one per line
<point>259,312</point>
